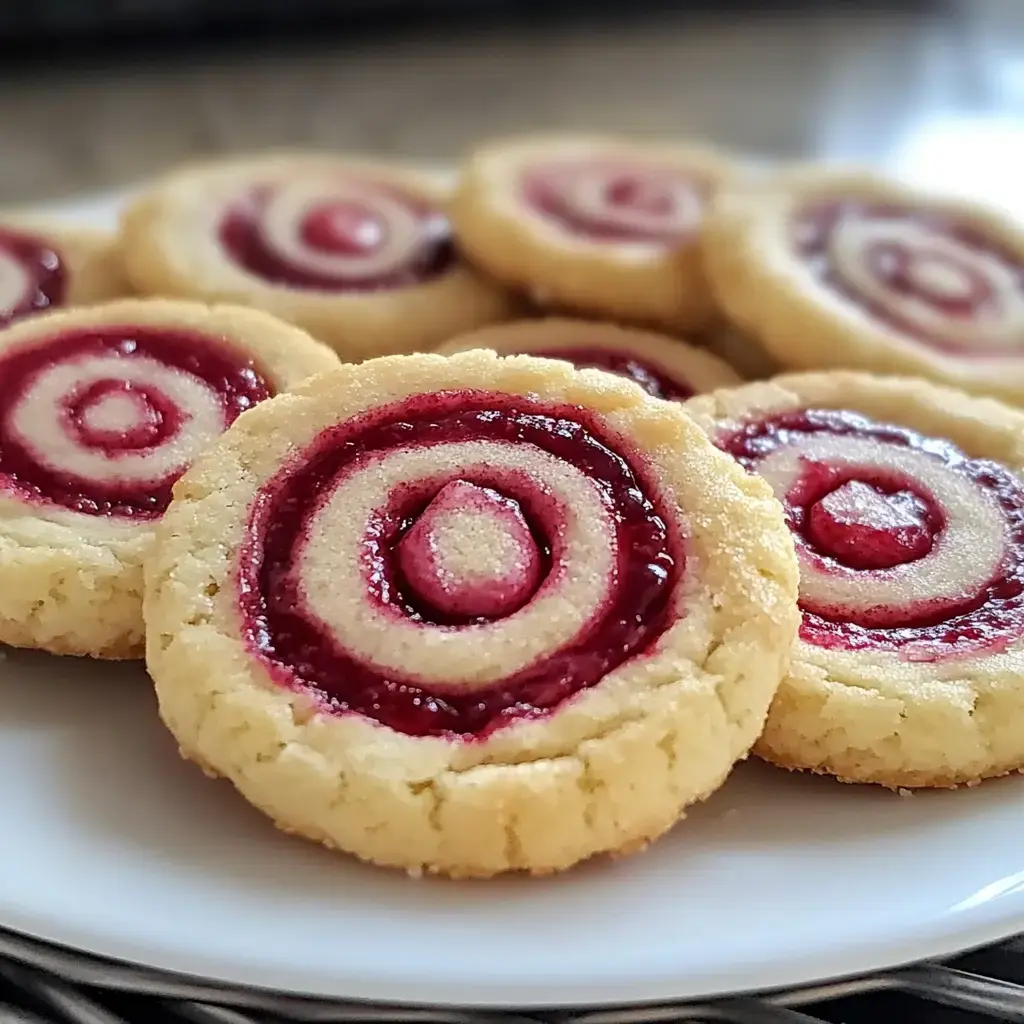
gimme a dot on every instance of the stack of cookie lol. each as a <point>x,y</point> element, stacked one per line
<point>447,525</point>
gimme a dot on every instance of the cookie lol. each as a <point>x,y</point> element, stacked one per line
<point>100,411</point>
<point>469,614</point>
<point>359,254</point>
<point>603,226</point>
<point>831,268</point>
<point>44,266</point>
<point>663,367</point>
<point>906,505</point>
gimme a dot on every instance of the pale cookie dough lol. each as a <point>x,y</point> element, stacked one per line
<point>100,411</point>
<point>662,366</point>
<point>598,225</point>
<point>46,265</point>
<point>360,254</point>
<point>469,614</point>
<point>835,268</point>
<point>906,505</point>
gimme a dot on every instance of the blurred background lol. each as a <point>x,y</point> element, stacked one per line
<point>95,94</point>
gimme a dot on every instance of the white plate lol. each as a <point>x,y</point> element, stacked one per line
<point>112,845</point>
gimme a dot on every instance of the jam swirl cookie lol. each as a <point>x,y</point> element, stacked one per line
<point>44,266</point>
<point>469,614</point>
<point>663,367</point>
<point>359,254</point>
<point>906,505</point>
<point>100,411</point>
<point>834,268</point>
<point>600,225</point>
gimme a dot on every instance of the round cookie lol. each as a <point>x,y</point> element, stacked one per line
<point>44,266</point>
<point>469,614</point>
<point>600,225</point>
<point>832,268</point>
<point>663,367</point>
<point>360,254</point>
<point>906,505</point>
<point>100,411</point>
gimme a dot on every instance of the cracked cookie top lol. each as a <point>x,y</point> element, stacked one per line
<point>498,593</point>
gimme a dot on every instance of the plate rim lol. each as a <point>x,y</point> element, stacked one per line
<point>862,958</point>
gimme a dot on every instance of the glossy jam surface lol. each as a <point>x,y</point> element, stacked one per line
<point>950,287</point>
<point>353,229</point>
<point>865,526</point>
<point>41,277</point>
<point>654,380</point>
<point>300,653</point>
<point>857,519</point>
<point>108,416</point>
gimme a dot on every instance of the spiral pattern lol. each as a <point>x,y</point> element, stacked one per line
<point>926,275</point>
<point>905,544</point>
<point>616,202</point>
<point>454,562</point>
<point>104,421</point>
<point>337,234</point>
<point>32,277</point>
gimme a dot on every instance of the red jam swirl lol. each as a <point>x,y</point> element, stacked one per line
<point>341,228</point>
<point>813,230</point>
<point>44,269</point>
<point>654,380</point>
<point>632,204</point>
<point>910,521</point>
<point>209,362</point>
<point>299,653</point>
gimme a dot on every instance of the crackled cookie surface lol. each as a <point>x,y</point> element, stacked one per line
<point>831,268</point>
<point>906,506</point>
<point>359,254</point>
<point>599,225</point>
<point>662,366</point>
<point>43,267</point>
<point>100,412</point>
<point>422,614</point>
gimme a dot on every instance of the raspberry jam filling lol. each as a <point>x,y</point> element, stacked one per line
<point>379,240</point>
<point>605,201</point>
<point>32,276</point>
<point>865,526</point>
<point>102,421</point>
<point>652,379</point>
<point>422,550</point>
<point>920,272</point>
<point>871,529</point>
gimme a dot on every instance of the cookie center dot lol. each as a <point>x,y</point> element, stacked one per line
<point>934,276</point>
<point>865,527</point>
<point>635,193</point>
<point>471,554</point>
<point>115,415</point>
<point>343,227</point>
